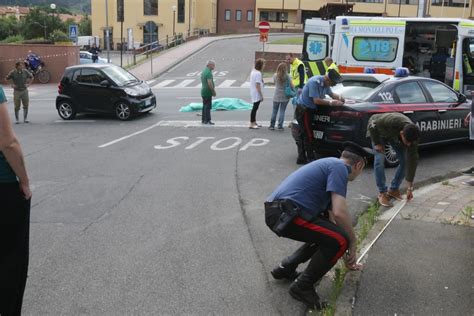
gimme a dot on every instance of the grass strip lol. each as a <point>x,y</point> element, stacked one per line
<point>365,222</point>
<point>288,41</point>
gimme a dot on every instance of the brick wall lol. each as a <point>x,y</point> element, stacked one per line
<point>272,60</point>
<point>55,57</point>
<point>232,25</point>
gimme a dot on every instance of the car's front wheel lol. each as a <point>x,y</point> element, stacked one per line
<point>67,110</point>
<point>391,158</point>
<point>123,111</point>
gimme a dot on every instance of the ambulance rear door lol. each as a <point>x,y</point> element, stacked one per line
<point>369,42</point>
<point>317,45</point>
<point>464,65</point>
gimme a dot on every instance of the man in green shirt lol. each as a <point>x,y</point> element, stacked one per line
<point>402,134</point>
<point>21,79</point>
<point>207,92</point>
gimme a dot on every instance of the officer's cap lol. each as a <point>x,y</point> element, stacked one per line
<point>358,150</point>
<point>334,76</point>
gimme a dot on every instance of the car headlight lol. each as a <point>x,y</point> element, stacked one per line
<point>131,92</point>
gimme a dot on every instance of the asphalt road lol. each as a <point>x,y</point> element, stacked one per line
<point>170,219</point>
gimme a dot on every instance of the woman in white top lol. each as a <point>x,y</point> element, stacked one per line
<point>256,91</point>
<point>280,99</point>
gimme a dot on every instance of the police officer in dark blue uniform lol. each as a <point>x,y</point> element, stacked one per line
<point>310,206</point>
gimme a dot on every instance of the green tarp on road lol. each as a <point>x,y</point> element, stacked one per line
<point>223,104</point>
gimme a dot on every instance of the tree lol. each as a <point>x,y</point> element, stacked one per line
<point>9,26</point>
<point>39,23</point>
<point>85,26</point>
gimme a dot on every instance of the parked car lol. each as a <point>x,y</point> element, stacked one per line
<point>86,58</point>
<point>102,88</point>
<point>437,109</point>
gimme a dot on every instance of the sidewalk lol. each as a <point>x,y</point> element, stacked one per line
<point>423,264</point>
<point>171,57</point>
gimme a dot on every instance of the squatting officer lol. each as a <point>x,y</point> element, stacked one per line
<point>310,206</point>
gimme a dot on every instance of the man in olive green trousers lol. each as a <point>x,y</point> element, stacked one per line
<point>21,79</point>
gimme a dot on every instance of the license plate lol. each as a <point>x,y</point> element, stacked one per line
<point>318,134</point>
<point>147,102</point>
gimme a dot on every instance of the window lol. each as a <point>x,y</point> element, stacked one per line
<point>316,46</point>
<point>273,16</point>
<point>227,15</point>
<point>369,1</point>
<point>150,32</point>
<point>410,92</point>
<point>89,76</point>
<point>440,93</point>
<point>150,7</point>
<point>181,10</point>
<point>238,15</point>
<point>375,48</point>
<point>404,1</point>
<point>249,16</point>
<point>451,3</point>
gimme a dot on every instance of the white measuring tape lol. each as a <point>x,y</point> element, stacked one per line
<point>402,205</point>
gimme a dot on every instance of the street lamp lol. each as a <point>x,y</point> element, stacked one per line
<point>53,8</point>
<point>174,19</point>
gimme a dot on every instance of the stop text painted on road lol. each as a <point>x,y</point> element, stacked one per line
<point>218,145</point>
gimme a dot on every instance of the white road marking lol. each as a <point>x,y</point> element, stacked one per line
<point>184,83</point>
<point>226,84</point>
<point>246,84</point>
<point>164,83</point>
<point>189,98</point>
<point>130,135</point>
<point>74,121</point>
<point>217,124</point>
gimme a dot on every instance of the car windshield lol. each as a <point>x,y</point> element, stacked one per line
<point>120,76</point>
<point>355,90</point>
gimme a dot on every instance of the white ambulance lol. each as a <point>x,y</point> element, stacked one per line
<point>437,48</point>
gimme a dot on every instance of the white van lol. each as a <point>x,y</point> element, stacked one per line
<point>438,48</point>
<point>85,42</point>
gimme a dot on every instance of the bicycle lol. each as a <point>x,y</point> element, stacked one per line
<point>41,74</point>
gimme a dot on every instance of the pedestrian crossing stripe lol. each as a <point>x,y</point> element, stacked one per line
<point>196,84</point>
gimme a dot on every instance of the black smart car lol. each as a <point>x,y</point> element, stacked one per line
<point>102,88</point>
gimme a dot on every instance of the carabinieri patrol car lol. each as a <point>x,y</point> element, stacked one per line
<point>437,109</point>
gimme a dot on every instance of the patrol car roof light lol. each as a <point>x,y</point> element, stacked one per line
<point>402,72</point>
<point>345,21</point>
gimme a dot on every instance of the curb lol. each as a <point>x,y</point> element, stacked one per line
<point>347,297</point>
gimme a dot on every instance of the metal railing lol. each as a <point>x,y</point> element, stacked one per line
<point>165,43</point>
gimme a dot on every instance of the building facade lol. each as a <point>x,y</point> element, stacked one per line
<point>290,14</point>
<point>148,21</point>
<point>235,16</point>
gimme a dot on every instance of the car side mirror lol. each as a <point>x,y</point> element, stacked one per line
<point>461,98</point>
<point>105,83</point>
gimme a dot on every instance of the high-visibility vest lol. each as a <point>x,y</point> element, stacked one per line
<point>333,66</point>
<point>295,76</point>
<point>467,64</point>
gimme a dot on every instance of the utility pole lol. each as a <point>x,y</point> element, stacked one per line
<point>282,14</point>
<point>107,31</point>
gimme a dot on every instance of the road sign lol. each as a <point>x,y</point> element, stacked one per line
<point>264,37</point>
<point>73,32</point>
<point>264,27</point>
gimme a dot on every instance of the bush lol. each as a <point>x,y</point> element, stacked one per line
<point>59,36</point>
<point>39,40</point>
<point>13,39</point>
